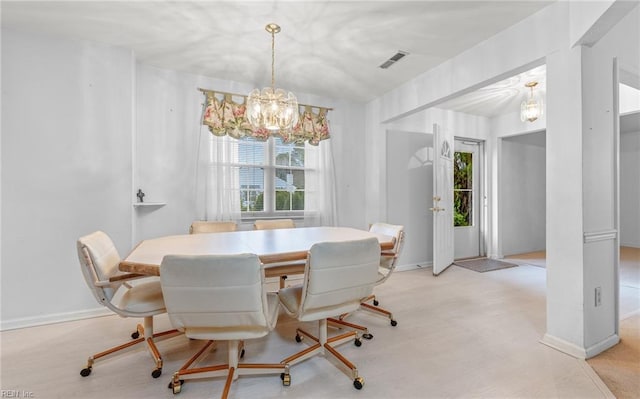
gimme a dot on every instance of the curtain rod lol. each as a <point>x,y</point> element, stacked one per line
<point>244,95</point>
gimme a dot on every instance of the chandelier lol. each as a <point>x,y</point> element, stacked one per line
<point>272,109</point>
<point>531,109</point>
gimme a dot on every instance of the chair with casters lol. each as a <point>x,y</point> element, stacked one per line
<point>388,261</point>
<point>201,226</point>
<point>338,275</point>
<point>221,298</point>
<point>271,224</point>
<point>127,295</point>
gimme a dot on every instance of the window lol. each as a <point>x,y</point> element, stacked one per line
<point>272,177</point>
<point>463,189</point>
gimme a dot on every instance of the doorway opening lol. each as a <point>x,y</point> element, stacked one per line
<point>522,199</point>
<point>468,198</point>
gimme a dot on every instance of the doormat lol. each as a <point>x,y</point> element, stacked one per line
<point>483,264</point>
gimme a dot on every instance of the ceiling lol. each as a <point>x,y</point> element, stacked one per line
<point>501,97</point>
<point>327,48</point>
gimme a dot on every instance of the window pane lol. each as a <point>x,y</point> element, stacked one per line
<point>463,170</point>
<point>462,188</point>
<point>251,151</point>
<point>289,200</point>
<point>288,154</point>
<point>289,185</point>
<point>297,157</point>
<point>252,188</point>
<point>462,206</point>
<point>289,179</point>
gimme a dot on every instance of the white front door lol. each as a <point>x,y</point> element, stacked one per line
<point>442,199</point>
<point>467,199</point>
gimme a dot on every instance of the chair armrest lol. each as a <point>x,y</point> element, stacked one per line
<point>124,277</point>
<point>139,268</point>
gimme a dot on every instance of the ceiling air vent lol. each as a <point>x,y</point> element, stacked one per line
<point>395,58</point>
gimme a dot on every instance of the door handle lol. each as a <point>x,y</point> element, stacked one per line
<point>436,209</point>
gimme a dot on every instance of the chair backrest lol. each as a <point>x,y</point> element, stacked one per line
<point>389,259</point>
<point>394,230</point>
<point>217,296</point>
<point>338,275</point>
<point>200,226</point>
<point>99,260</point>
<point>274,224</point>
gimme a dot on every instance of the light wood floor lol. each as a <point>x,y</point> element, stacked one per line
<point>461,334</point>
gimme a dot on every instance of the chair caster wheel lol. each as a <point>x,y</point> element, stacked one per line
<point>170,386</point>
<point>85,372</point>
<point>176,387</point>
<point>286,379</point>
<point>367,336</point>
<point>394,323</point>
<point>358,383</point>
<point>357,342</point>
<point>298,338</point>
<point>135,335</point>
<point>156,373</point>
<point>376,302</point>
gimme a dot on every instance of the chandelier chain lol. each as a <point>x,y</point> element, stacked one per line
<point>273,59</point>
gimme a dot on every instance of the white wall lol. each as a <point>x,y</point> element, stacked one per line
<point>169,107</point>
<point>83,128</point>
<point>406,191</point>
<point>66,169</point>
<point>409,190</point>
<point>630,189</point>
<point>523,193</point>
<point>574,75</point>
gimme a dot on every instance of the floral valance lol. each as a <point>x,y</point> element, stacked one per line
<point>224,116</point>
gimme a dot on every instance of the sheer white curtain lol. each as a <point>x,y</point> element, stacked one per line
<point>218,178</point>
<point>320,191</point>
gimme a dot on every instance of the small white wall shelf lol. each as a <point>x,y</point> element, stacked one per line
<point>148,204</point>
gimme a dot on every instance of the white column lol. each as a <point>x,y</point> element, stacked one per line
<point>565,270</point>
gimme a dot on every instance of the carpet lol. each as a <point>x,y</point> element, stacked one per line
<point>619,367</point>
<point>483,264</point>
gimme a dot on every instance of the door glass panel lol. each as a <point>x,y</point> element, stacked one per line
<point>463,189</point>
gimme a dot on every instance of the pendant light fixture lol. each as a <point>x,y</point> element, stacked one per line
<point>272,109</point>
<point>531,108</point>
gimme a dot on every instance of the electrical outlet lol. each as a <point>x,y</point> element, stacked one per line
<point>598,296</point>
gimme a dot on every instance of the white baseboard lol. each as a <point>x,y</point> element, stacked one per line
<point>564,346</point>
<point>576,351</point>
<point>53,318</point>
<point>414,266</point>
<point>602,345</point>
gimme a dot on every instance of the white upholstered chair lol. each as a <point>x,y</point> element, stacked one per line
<point>271,224</point>
<point>127,295</point>
<point>388,262</point>
<point>338,276</point>
<point>221,298</point>
<point>201,226</point>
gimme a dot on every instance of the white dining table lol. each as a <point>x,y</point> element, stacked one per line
<point>277,249</point>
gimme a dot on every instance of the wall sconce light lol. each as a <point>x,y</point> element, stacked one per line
<point>531,108</point>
